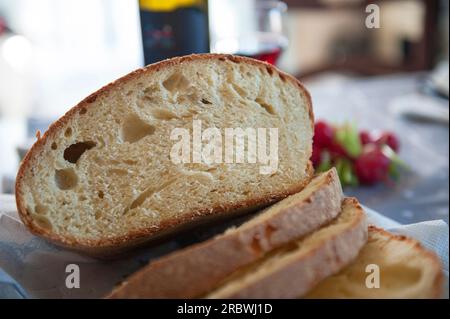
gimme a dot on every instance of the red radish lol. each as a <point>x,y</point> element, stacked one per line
<point>323,134</point>
<point>334,145</point>
<point>372,166</point>
<point>389,139</point>
<point>316,155</point>
<point>337,150</point>
<point>366,137</point>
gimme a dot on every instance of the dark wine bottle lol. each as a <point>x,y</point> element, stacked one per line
<point>173,28</point>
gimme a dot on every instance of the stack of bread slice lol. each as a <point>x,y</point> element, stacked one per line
<point>274,255</point>
<point>103,179</point>
<point>198,270</point>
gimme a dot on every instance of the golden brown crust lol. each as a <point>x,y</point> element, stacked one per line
<point>113,245</point>
<point>425,253</point>
<point>297,276</point>
<point>194,271</point>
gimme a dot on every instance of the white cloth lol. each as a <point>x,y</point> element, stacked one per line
<point>40,267</point>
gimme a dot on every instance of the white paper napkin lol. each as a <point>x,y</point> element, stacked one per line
<point>40,267</point>
<point>432,234</point>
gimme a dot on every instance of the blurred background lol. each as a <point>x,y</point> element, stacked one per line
<point>380,64</point>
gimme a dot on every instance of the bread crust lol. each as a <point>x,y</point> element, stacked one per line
<point>298,276</point>
<point>109,246</point>
<point>194,271</point>
<point>420,250</point>
<point>403,255</point>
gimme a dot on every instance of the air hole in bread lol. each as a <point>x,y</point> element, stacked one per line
<point>134,129</point>
<point>269,70</point>
<point>74,151</point>
<point>83,111</point>
<point>239,91</point>
<point>201,177</point>
<point>68,132</point>
<point>40,209</point>
<point>43,222</point>
<point>64,202</point>
<point>54,146</point>
<point>242,103</point>
<point>145,100</point>
<point>98,215</point>
<point>268,107</point>
<point>66,178</point>
<point>176,82</point>
<point>187,98</point>
<point>149,96</point>
<point>138,201</point>
<point>282,77</point>
<point>205,101</point>
<point>101,194</point>
<point>130,162</point>
<point>113,162</point>
<point>150,90</point>
<point>118,171</point>
<point>163,114</point>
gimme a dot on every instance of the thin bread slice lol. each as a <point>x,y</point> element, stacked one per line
<point>294,269</point>
<point>122,167</point>
<point>405,269</point>
<point>197,269</point>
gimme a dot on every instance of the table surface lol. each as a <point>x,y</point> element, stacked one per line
<point>422,193</point>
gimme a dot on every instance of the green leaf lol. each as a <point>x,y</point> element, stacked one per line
<point>394,171</point>
<point>397,165</point>
<point>346,173</point>
<point>348,137</point>
<point>390,153</point>
<point>325,162</point>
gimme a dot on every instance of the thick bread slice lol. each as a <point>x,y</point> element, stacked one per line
<point>102,178</point>
<point>407,270</point>
<point>197,269</point>
<point>293,270</point>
